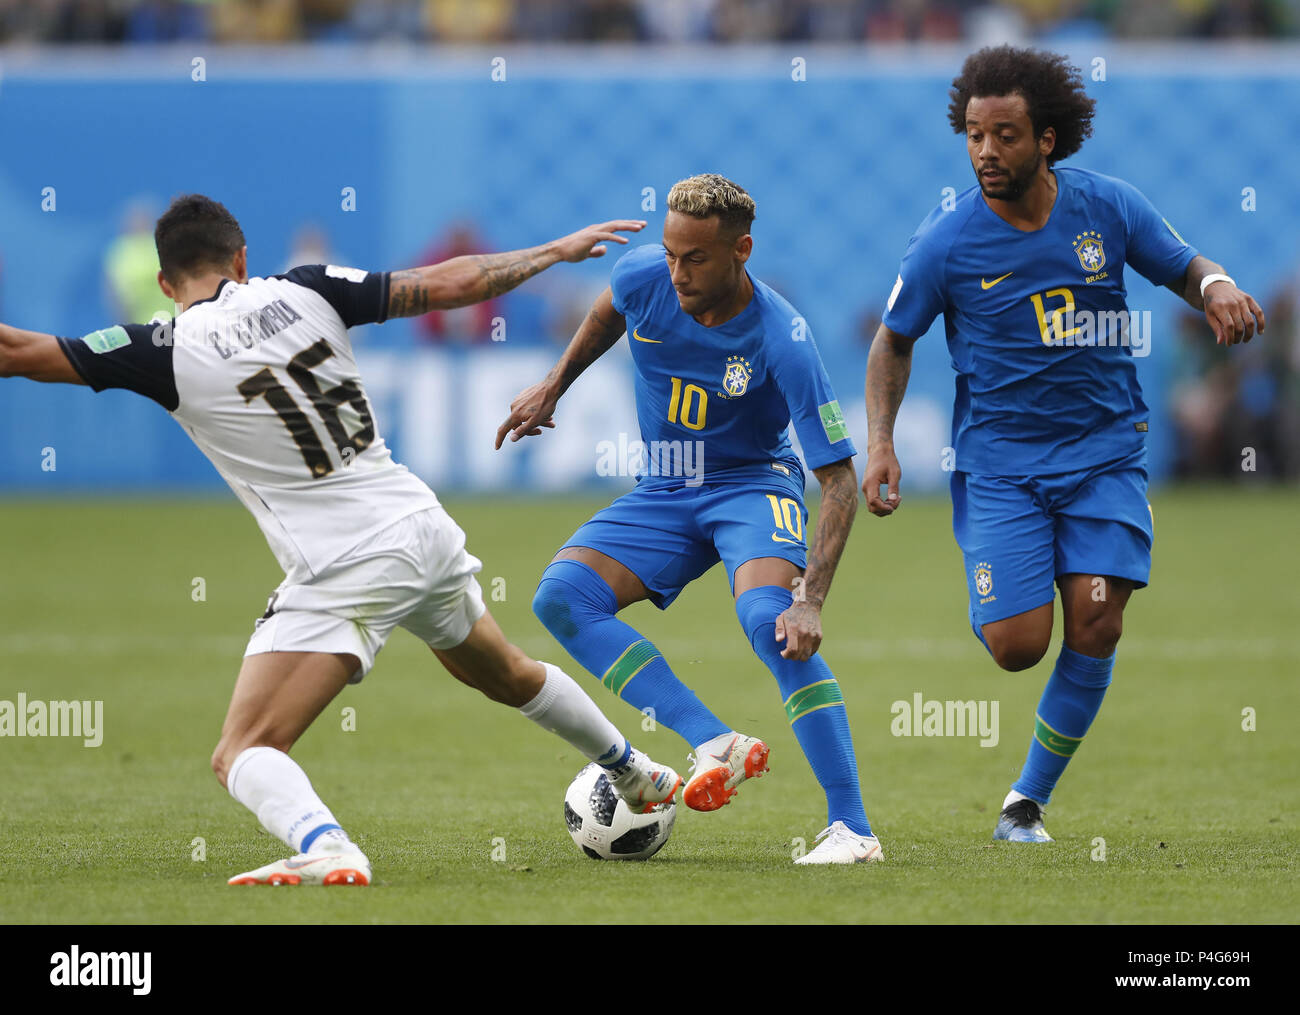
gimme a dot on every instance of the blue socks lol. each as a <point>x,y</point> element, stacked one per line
<point>578,608</point>
<point>813,704</point>
<point>1069,704</point>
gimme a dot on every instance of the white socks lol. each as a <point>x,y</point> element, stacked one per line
<point>563,708</point>
<point>271,785</point>
<point>1013,796</point>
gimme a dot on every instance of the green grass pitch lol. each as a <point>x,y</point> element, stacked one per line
<point>1197,815</point>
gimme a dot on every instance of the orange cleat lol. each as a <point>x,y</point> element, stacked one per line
<point>720,767</point>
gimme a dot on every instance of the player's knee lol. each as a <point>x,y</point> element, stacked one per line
<point>757,610</point>
<point>1016,658</point>
<point>571,596</point>
<point>551,607</point>
<point>1096,635</point>
<point>1016,654</point>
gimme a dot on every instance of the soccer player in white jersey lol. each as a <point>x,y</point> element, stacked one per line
<point>260,373</point>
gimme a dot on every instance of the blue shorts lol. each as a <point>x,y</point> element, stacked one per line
<point>669,535</point>
<point>1018,534</point>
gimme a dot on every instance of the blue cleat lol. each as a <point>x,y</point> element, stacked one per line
<point>1021,821</point>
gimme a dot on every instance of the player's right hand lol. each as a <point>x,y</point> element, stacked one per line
<point>882,470</point>
<point>529,412</point>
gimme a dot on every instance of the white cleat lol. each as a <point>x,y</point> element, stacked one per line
<point>643,785</point>
<point>321,868</point>
<point>720,767</point>
<point>843,845</point>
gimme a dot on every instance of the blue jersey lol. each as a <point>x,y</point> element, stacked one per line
<point>735,387</point>
<point>1038,328</point>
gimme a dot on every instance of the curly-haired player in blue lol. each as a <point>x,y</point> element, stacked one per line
<point>724,365</point>
<point>1050,480</point>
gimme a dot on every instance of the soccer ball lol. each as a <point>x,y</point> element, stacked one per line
<point>602,825</point>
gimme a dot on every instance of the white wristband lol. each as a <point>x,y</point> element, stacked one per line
<point>1214,278</point>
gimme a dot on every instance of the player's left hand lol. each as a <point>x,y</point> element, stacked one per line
<point>590,242</point>
<point>800,627</point>
<point>1233,314</point>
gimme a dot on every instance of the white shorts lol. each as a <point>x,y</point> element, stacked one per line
<point>414,574</point>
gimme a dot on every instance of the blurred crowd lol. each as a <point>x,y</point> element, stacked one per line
<point>651,21</point>
<point>1236,412</point>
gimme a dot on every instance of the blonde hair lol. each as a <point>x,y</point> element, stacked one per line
<point>709,194</point>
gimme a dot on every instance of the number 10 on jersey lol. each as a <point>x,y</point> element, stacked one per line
<point>692,401</point>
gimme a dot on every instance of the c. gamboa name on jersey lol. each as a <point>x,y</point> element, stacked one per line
<point>658,458</point>
<point>230,331</point>
<point>25,718</point>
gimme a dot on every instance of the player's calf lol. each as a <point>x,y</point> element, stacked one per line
<point>277,696</point>
<point>488,663</point>
<point>814,707</point>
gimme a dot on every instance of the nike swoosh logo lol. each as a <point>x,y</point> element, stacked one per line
<point>654,341</point>
<point>298,866</point>
<point>990,285</point>
<point>781,539</point>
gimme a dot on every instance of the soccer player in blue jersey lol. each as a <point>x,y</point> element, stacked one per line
<point>1050,479</point>
<point>723,366</point>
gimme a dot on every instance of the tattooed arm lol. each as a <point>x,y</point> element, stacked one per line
<point>532,410</point>
<point>839,483</point>
<point>889,364</point>
<point>800,626</point>
<point>460,281</point>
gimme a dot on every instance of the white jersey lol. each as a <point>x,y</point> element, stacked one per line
<point>262,378</point>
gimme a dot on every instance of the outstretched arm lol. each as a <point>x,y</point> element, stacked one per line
<point>800,626</point>
<point>889,365</point>
<point>533,408</point>
<point>461,281</point>
<point>34,355</point>
<point>1232,313</point>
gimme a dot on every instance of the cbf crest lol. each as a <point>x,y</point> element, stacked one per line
<point>735,379</point>
<point>1087,247</point>
<point>983,578</point>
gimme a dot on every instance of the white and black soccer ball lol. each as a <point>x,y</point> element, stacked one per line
<point>605,828</point>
